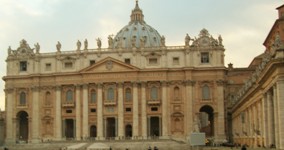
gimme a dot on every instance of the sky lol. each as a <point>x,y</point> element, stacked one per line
<point>243,24</point>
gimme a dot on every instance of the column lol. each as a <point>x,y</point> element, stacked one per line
<point>78,112</point>
<point>264,120</point>
<point>35,115</point>
<point>280,99</point>
<point>270,118</point>
<point>120,111</point>
<point>164,110</point>
<point>259,121</point>
<point>276,115</point>
<point>221,118</point>
<point>85,112</point>
<point>135,126</point>
<point>58,127</point>
<point>189,106</point>
<point>100,123</point>
<point>9,116</point>
<point>144,110</point>
<point>255,124</point>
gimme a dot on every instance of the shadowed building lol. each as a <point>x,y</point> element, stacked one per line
<point>257,112</point>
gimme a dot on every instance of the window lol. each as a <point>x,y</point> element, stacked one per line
<point>68,65</point>
<point>205,92</point>
<point>243,117</point>
<point>68,111</point>
<point>93,96</point>
<point>175,61</point>
<point>153,61</point>
<point>48,67</point>
<point>23,98</point>
<point>69,96</point>
<point>47,98</point>
<point>110,94</point>
<point>154,93</point>
<point>205,57</point>
<point>128,109</point>
<point>93,110</point>
<point>128,94</point>
<point>23,65</point>
<point>176,92</point>
<point>92,62</point>
<point>154,108</point>
<point>127,60</point>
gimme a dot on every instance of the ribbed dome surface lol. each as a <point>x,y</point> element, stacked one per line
<point>137,33</point>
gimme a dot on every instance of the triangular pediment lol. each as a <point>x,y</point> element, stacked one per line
<point>109,64</point>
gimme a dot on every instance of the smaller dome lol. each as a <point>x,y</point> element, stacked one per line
<point>137,33</point>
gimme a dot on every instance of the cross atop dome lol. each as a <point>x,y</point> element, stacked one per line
<point>137,14</point>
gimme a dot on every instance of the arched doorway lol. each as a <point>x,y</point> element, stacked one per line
<point>206,118</point>
<point>23,125</point>
<point>128,131</point>
<point>93,131</point>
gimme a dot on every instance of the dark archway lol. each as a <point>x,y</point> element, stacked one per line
<point>206,118</point>
<point>69,128</point>
<point>93,131</point>
<point>23,124</point>
<point>128,130</point>
<point>154,126</point>
<point>111,127</point>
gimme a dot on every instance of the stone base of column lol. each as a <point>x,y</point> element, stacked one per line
<point>36,140</point>
<point>101,138</point>
<point>59,139</point>
<point>10,141</point>
<point>164,137</point>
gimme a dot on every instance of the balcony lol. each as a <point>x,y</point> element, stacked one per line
<point>109,103</point>
<point>154,102</point>
<point>68,104</point>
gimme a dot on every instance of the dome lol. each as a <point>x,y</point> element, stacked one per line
<point>137,33</point>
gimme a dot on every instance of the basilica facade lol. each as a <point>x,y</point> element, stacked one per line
<point>136,88</point>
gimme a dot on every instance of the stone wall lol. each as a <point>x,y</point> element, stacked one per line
<point>2,131</point>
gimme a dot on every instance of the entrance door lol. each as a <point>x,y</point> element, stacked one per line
<point>110,126</point>
<point>128,131</point>
<point>69,128</point>
<point>23,125</point>
<point>93,131</point>
<point>154,126</point>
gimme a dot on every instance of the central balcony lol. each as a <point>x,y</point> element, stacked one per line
<point>68,104</point>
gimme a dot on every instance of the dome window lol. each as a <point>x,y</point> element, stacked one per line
<point>126,29</point>
<point>143,28</point>
<point>155,39</point>
<point>134,28</point>
<point>151,30</point>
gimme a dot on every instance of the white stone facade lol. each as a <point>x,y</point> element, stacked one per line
<point>121,92</point>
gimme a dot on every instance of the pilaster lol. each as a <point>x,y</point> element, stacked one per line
<point>58,121</point>
<point>78,112</point>
<point>35,115</point>
<point>135,110</point>
<point>10,139</point>
<point>164,109</point>
<point>144,110</point>
<point>100,123</point>
<point>189,95</point>
<point>120,111</point>
<point>85,111</point>
<point>220,103</point>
